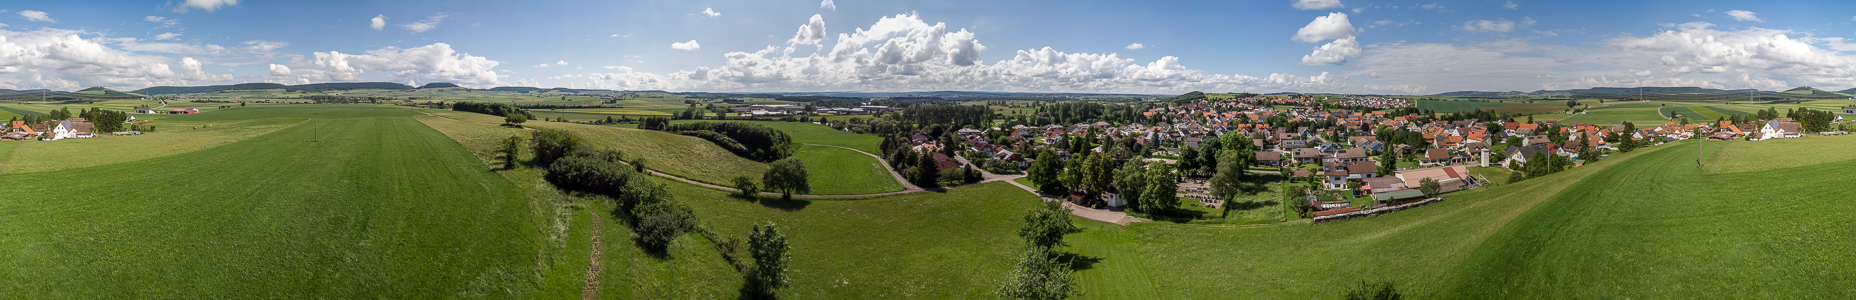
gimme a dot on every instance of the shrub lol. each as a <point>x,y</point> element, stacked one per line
<point>747,186</point>
<point>749,140</point>
<point>554,144</point>
<point>662,222</point>
<point>954,175</point>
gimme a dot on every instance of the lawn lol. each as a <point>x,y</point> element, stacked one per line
<point>1463,106</point>
<point>1656,227</point>
<point>836,171</point>
<point>382,207</point>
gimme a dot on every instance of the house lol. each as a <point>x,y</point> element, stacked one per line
<point>183,111</point>
<point>1436,156</point>
<point>1536,139</point>
<point>71,128</point>
<point>1383,184</point>
<point>1519,155</point>
<point>1306,155</point>
<point>1269,158</point>
<point>1452,178</point>
<point>1350,156</point>
<point>1777,129</point>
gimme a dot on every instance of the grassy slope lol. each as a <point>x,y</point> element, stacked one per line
<point>689,157</point>
<point>836,171</point>
<point>383,206</point>
<point>1463,106</point>
<point>1639,116</point>
<point>922,245</point>
<point>1655,227</point>
<point>1738,157</point>
<point>808,133</point>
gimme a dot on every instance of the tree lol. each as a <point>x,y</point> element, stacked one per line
<point>1572,103</point>
<point>511,147</point>
<point>553,144</point>
<point>1045,227</point>
<point>787,176</point>
<point>1162,193</point>
<point>1429,186</point>
<point>1044,172</point>
<point>1516,176</point>
<point>1229,180</point>
<point>1131,180</point>
<point>927,172</point>
<point>1039,275</point>
<point>747,186</point>
<point>1098,174</point>
<point>515,119</point>
<point>771,256</point>
<point>1188,158</point>
<point>1388,163</point>
<point>1072,176</point>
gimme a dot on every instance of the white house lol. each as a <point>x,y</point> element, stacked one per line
<point>67,129</point>
<point>1780,130</point>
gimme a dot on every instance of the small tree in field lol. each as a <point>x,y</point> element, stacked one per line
<point>787,176</point>
<point>747,186</point>
<point>771,255</point>
<point>515,119</point>
<point>511,147</point>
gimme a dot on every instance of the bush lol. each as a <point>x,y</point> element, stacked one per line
<point>1373,291</point>
<point>954,175</point>
<point>553,144</point>
<point>660,223</point>
<point>747,186</point>
<point>749,140</point>
<point>1516,176</point>
<point>590,173</point>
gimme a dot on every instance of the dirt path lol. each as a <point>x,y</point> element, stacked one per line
<point>1110,216</point>
<point>591,290</point>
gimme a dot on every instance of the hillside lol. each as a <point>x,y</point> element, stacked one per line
<point>106,92</point>
<point>317,87</point>
<point>1811,91</point>
<point>435,85</point>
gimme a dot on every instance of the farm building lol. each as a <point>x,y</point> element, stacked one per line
<point>178,111</point>
<point>1453,178</point>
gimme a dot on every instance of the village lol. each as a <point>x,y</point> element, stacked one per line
<point>60,125</point>
<point>1375,148</point>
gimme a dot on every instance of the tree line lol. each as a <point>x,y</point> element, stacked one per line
<point>749,140</point>
<point>498,109</point>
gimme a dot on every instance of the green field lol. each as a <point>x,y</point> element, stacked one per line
<point>688,157</point>
<point>1640,116</point>
<point>382,206</point>
<point>1463,106</point>
<point>807,133</point>
<point>1655,227</point>
<point>1778,154</point>
<point>836,171</point>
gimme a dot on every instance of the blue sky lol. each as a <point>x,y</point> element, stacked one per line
<point>1062,46</point>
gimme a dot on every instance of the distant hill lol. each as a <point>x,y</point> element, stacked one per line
<point>318,87</point>
<point>1478,94</point>
<point>9,92</point>
<point>1597,91</point>
<point>435,85</point>
<point>524,89</point>
<point>1851,91</point>
<point>1811,91</point>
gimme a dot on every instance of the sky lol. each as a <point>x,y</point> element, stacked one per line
<point>1140,47</point>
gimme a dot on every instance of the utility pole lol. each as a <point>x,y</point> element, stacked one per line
<point>317,127</point>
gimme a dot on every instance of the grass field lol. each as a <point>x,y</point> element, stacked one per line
<point>1614,116</point>
<point>382,206</point>
<point>807,133</point>
<point>688,157</point>
<point>1655,227</point>
<point>1463,106</point>
<point>836,171</point>
<point>1742,157</point>
<point>609,111</point>
<point>169,139</point>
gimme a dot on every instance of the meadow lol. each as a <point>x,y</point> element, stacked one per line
<point>683,156</point>
<point>1775,154</point>
<point>381,206</point>
<point>807,133</point>
<point>1464,106</point>
<point>836,171</point>
<point>1614,116</point>
<point>170,138</point>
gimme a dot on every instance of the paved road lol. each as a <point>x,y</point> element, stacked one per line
<point>1119,218</point>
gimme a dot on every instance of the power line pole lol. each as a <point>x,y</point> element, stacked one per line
<point>316,126</point>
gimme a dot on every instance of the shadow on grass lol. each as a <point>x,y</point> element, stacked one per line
<point>1079,262</point>
<point>1249,205</point>
<point>777,202</point>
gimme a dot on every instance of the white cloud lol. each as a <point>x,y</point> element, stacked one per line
<point>710,11</point>
<point>425,64</point>
<point>810,33</point>
<point>165,22</point>
<point>427,24</point>
<point>827,4</point>
<point>1499,25</point>
<point>1332,26</point>
<point>560,63</point>
<point>192,69</point>
<point>1334,53</point>
<point>1431,6</point>
<point>36,16</point>
<point>264,46</point>
<point>280,70</point>
<point>903,53</point>
<point>1741,15</point>
<point>208,5</point>
<point>167,36</point>
<point>62,59</point>
<point>1511,5</point>
<point>543,65</point>
<point>686,46</point>
<point>378,22</point>
<point>1136,46</point>
<point>1316,4</point>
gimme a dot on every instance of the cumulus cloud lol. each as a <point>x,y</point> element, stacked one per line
<point>167,36</point>
<point>1317,4</point>
<point>208,5</point>
<point>1332,26</point>
<point>810,33</point>
<point>560,63</point>
<point>378,22</point>
<point>827,4</point>
<point>36,16</point>
<point>686,46</point>
<point>62,59</point>
<point>192,69</point>
<point>427,24</point>
<point>1511,5</point>
<point>710,11</point>
<point>1334,53</point>
<point>280,70</point>
<point>430,63</point>
<point>164,21</point>
<point>1741,15</point>
<point>1136,46</point>
<point>904,53</point>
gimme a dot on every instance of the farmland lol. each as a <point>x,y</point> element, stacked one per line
<point>1463,106</point>
<point>381,206</point>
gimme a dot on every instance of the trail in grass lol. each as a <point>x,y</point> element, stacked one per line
<point>592,272</point>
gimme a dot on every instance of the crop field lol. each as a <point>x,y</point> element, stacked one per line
<point>1463,106</point>
<point>835,171</point>
<point>1655,227</point>
<point>382,206</point>
<point>1647,115</point>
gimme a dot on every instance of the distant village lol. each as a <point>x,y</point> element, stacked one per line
<point>59,127</point>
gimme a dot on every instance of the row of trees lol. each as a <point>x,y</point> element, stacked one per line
<point>1146,187</point>
<point>753,141</point>
<point>498,109</point>
<point>105,120</point>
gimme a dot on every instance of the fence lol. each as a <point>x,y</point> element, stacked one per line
<point>1375,211</point>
